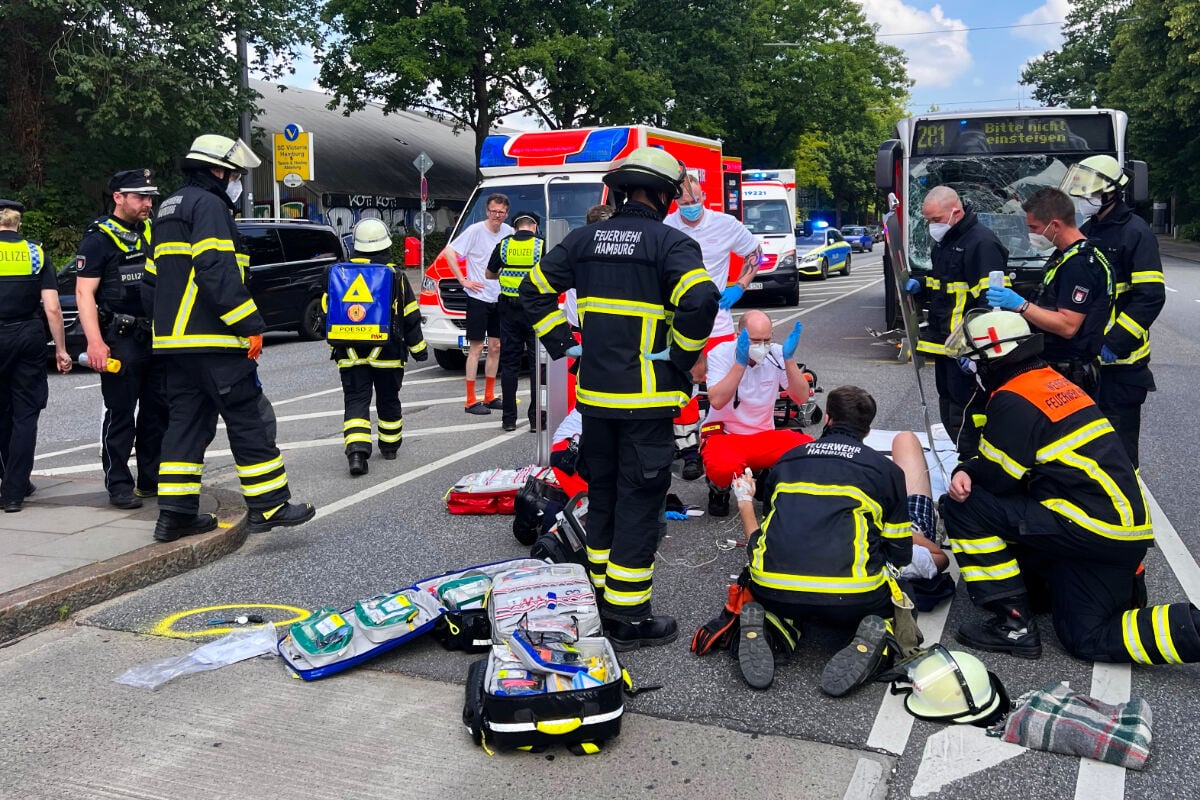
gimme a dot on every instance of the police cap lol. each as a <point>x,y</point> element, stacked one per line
<point>133,181</point>
<point>13,204</point>
<point>527,216</point>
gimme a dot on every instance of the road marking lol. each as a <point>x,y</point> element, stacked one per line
<point>1173,549</point>
<point>165,626</point>
<point>865,780</point>
<point>804,311</point>
<point>323,392</point>
<point>956,752</point>
<point>68,450</point>
<point>1097,780</point>
<point>88,386</point>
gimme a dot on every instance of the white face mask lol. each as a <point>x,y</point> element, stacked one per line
<point>938,230</point>
<point>233,189</point>
<point>1087,206</point>
<point>759,352</point>
<point>1040,242</point>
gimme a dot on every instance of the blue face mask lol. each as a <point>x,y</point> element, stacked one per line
<point>691,213</point>
<point>967,365</point>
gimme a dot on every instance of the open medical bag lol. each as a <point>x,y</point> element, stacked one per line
<point>492,491</point>
<point>551,676</point>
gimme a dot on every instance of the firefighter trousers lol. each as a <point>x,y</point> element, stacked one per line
<point>357,384</point>
<point>24,391</point>
<point>959,401</point>
<point>201,386</point>
<point>1120,396</point>
<point>1091,580</point>
<point>135,409</point>
<point>516,339</point>
<point>627,464</point>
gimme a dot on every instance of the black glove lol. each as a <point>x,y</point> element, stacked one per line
<point>716,634</point>
<point>421,356</point>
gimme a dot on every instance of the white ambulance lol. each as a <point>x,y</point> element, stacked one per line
<point>769,211</point>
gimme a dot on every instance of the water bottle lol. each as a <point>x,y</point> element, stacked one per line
<point>996,281</point>
<point>113,365</point>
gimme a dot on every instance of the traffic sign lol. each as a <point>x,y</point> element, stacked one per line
<point>423,162</point>
<point>294,153</point>
<point>424,189</point>
<point>292,180</point>
<point>423,222</point>
<point>291,131</point>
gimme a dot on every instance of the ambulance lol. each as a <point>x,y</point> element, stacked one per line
<point>769,211</point>
<point>558,175</point>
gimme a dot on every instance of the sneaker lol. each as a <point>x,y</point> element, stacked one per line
<point>286,515</point>
<point>172,526</point>
<point>718,502</point>
<point>358,464</point>
<point>509,425</point>
<point>478,408</point>
<point>754,650</point>
<point>649,632</point>
<point>125,500</point>
<point>857,662</point>
<point>693,467</point>
<point>496,404</point>
<point>1010,633</point>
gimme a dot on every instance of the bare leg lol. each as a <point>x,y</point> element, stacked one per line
<point>908,455</point>
<point>492,366</point>
<point>473,353</point>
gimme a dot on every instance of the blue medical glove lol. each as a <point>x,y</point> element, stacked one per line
<point>575,351</point>
<point>661,355</point>
<point>1005,298</point>
<point>913,286</point>
<point>792,342</point>
<point>1107,356</point>
<point>733,292</point>
<point>741,350</point>
<point>678,516</point>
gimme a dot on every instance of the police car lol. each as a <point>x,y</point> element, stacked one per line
<point>823,251</point>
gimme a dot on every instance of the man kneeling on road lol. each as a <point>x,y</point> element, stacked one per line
<point>744,379</point>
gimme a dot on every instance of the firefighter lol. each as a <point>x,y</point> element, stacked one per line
<point>28,285</point>
<point>1139,291</point>
<point>207,322</point>
<point>109,267</point>
<point>1072,305</point>
<point>1053,479</point>
<point>381,367</point>
<point>511,261</point>
<point>646,306</point>
<point>964,252</point>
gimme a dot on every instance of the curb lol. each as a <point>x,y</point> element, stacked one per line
<point>52,600</point>
<point>1174,248</point>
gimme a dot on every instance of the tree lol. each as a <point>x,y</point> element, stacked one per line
<point>1068,76</point>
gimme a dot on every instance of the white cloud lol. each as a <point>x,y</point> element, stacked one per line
<point>934,59</point>
<point>1049,36</point>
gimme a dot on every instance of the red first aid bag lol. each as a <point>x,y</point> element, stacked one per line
<point>492,491</point>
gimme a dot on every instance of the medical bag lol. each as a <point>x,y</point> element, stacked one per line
<point>492,491</point>
<point>565,540</point>
<point>360,304</point>
<point>536,505</point>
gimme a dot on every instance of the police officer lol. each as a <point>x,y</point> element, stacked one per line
<point>207,322</point>
<point>27,284</point>
<point>964,252</point>
<point>511,261</point>
<point>646,306</point>
<point>1072,305</point>
<point>109,267</point>
<point>382,367</point>
<point>1052,477</point>
<point>1095,183</point>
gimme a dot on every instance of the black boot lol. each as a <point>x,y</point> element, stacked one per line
<point>358,464</point>
<point>1013,630</point>
<point>718,502</point>
<point>857,662</point>
<point>172,525</point>
<point>753,649</point>
<point>286,515</point>
<point>649,632</point>
<point>693,466</point>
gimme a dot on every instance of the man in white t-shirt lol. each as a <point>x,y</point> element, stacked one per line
<point>476,245</point>
<point>744,379</point>
<point>719,236</point>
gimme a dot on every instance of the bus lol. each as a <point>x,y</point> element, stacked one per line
<point>995,160</point>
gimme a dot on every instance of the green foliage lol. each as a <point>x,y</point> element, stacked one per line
<point>1190,231</point>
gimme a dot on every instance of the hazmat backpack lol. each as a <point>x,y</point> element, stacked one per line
<point>360,303</point>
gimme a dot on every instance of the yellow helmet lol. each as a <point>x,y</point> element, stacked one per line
<point>648,168</point>
<point>213,148</point>
<point>1093,175</point>
<point>371,236</point>
<point>952,686</point>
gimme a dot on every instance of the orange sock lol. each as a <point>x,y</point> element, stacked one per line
<point>471,398</point>
<point>489,389</point>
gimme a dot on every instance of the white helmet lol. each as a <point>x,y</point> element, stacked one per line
<point>986,335</point>
<point>953,686</point>
<point>1092,176</point>
<point>371,236</point>
<point>223,151</point>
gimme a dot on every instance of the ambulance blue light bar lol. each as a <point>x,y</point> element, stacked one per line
<point>760,176</point>
<point>555,148</point>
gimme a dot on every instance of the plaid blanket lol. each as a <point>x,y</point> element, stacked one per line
<point>1059,720</point>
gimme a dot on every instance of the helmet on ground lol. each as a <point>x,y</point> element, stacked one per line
<point>213,148</point>
<point>371,236</point>
<point>1093,175</point>
<point>647,168</point>
<point>953,686</point>
<point>992,336</point>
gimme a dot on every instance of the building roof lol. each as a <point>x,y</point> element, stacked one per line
<point>367,152</point>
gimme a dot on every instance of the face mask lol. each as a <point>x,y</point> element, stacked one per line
<point>1039,240</point>
<point>691,213</point>
<point>967,365</point>
<point>1087,206</point>
<point>233,189</point>
<point>938,230</point>
<point>759,352</point>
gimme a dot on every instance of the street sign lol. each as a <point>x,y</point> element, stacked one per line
<point>423,222</point>
<point>424,189</point>
<point>423,162</point>
<point>293,153</point>
<point>292,180</point>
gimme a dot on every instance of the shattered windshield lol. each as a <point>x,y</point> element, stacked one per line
<point>995,186</point>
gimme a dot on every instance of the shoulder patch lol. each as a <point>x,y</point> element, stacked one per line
<point>1080,294</point>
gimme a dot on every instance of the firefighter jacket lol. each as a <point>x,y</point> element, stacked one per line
<point>115,252</point>
<point>958,278</point>
<point>642,289</point>
<point>201,302</point>
<point>1077,279</point>
<point>513,258</point>
<point>1139,290</point>
<point>1045,437</point>
<point>23,266</point>
<point>406,336</point>
<point>839,515</point>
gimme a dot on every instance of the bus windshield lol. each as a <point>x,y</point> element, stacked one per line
<point>568,200</point>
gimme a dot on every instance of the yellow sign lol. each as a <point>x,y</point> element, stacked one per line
<point>358,291</point>
<point>294,154</point>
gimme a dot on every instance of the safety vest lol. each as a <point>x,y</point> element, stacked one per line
<point>21,265</point>
<point>519,257</point>
<point>122,285</point>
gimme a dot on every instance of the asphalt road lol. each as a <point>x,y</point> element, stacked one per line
<point>389,528</point>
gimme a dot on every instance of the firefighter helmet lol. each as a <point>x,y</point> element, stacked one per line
<point>986,335</point>
<point>647,168</point>
<point>953,686</point>
<point>213,148</point>
<point>1092,176</point>
<point>371,236</point>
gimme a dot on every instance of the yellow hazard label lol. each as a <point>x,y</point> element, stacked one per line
<point>358,291</point>
<point>362,333</point>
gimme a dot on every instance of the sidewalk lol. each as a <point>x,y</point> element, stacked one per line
<point>1183,249</point>
<point>69,549</point>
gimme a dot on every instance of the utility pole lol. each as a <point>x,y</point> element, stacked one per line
<point>244,121</point>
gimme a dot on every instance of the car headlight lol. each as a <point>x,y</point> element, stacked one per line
<point>428,284</point>
<point>810,258</point>
<point>788,261</point>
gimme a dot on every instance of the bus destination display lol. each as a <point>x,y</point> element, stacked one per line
<point>1013,135</point>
